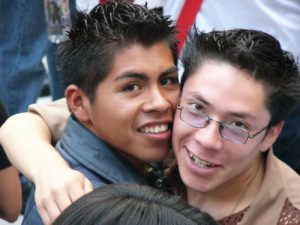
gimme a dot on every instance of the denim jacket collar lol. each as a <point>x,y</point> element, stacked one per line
<point>91,151</point>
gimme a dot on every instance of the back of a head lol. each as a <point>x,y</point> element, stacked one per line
<point>131,204</point>
<point>256,52</point>
<point>95,38</point>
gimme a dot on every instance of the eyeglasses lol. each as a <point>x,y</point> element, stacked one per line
<point>227,130</point>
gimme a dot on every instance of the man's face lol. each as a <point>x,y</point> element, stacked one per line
<point>207,161</point>
<point>134,106</point>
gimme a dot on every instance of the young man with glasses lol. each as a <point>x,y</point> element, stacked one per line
<point>237,88</point>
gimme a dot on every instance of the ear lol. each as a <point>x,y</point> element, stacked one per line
<point>271,136</point>
<point>78,102</point>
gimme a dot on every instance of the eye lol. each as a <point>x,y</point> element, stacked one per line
<point>239,124</point>
<point>196,107</point>
<point>169,81</point>
<point>132,87</point>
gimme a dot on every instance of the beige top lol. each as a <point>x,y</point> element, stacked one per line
<point>277,203</point>
<point>280,183</point>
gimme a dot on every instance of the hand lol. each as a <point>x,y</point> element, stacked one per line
<point>56,192</point>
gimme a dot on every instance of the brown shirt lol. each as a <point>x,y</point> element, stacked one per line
<point>277,203</point>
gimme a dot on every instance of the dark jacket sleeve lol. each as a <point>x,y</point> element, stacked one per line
<point>4,162</point>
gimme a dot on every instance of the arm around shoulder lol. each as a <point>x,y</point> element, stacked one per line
<point>26,139</point>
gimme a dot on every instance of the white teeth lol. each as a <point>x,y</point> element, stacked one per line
<point>199,162</point>
<point>155,129</point>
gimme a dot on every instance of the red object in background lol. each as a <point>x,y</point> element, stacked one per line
<point>186,19</point>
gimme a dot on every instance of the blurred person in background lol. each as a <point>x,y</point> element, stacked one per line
<point>10,187</point>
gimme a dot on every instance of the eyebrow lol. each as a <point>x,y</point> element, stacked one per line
<point>200,98</point>
<point>169,71</point>
<point>242,115</point>
<point>143,76</point>
<point>131,75</point>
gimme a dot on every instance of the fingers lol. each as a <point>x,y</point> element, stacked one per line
<point>52,197</point>
<point>62,201</point>
<point>50,203</point>
<point>88,186</point>
<point>76,192</point>
<point>44,215</point>
<point>49,213</point>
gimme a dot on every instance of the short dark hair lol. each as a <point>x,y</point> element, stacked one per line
<point>131,204</point>
<point>256,52</point>
<point>94,39</point>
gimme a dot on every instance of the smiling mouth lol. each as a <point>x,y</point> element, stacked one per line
<point>155,129</point>
<point>199,162</point>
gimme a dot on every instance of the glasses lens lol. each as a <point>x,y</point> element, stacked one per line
<point>193,117</point>
<point>234,133</point>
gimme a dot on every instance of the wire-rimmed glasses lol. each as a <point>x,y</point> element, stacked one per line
<point>227,130</point>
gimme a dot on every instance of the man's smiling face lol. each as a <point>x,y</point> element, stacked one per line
<point>134,105</point>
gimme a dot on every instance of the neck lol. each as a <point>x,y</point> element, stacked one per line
<point>230,197</point>
<point>136,163</point>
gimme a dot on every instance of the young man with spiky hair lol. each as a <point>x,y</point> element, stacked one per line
<point>119,70</point>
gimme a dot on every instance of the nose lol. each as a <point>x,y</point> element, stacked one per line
<point>209,136</point>
<point>156,100</point>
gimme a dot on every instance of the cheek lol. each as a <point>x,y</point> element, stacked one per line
<point>179,132</point>
<point>234,155</point>
<point>173,100</point>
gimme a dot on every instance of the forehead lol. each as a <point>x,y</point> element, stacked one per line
<point>142,59</point>
<point>226,89</point>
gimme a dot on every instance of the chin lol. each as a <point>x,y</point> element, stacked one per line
<point>157,158</point>
<point>195,184</point>
<point>158,155</point>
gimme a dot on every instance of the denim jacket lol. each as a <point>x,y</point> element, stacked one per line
<point>87,153</point>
